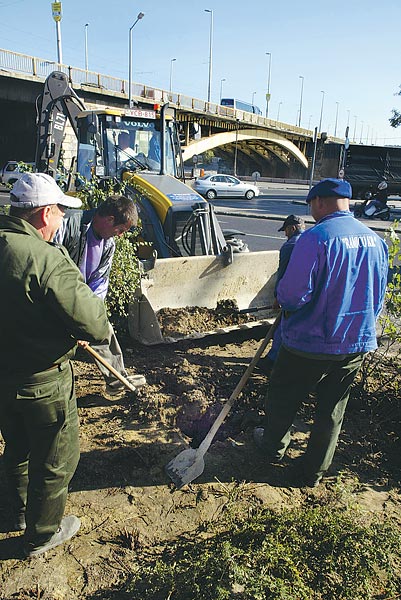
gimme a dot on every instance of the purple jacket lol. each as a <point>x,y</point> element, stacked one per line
<point>333,289</point>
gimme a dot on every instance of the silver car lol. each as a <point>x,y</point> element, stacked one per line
<point>227,186</point>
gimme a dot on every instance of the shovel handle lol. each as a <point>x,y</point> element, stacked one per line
<point>108,366</point>
<point>239,387</point>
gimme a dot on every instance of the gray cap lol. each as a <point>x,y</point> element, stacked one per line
<point>292,220</point>
<point>39,189</point>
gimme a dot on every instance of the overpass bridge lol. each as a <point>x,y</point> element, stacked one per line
<point>273,148</point>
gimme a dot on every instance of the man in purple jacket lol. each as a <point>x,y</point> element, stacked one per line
<point>331,295</point>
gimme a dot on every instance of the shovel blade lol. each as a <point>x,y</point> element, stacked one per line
<point>185,467</point>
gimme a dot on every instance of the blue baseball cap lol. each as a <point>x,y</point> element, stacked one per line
<point>330,187</point>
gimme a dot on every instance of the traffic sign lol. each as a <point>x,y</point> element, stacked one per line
<point>56,10</point>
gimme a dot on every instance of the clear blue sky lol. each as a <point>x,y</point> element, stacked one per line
<point>350,49</point>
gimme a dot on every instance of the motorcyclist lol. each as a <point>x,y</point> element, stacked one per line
<point>379,200</point>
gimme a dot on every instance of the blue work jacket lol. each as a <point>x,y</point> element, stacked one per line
<point>334,286</point>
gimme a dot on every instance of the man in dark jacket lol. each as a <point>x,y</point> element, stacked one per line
<point>89,238</point>
<point>46,307</point>
<point>331,295</point>
<point>293,227</point>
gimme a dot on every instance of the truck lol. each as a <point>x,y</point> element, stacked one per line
<point>189,261</point>
<point>364,166</point>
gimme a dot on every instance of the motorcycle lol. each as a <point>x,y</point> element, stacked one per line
<point>374,207</point>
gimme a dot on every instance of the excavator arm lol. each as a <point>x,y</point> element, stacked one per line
<point>55,105</point>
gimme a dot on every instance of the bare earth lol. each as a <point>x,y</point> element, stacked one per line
<point>125,500</point>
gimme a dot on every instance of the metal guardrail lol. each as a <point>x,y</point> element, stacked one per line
<point>15,62</point>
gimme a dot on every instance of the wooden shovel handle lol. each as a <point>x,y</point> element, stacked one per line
<point>108,366</point>
<point>239,387</point>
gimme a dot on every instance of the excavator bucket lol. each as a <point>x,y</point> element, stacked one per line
<point>202,281</point>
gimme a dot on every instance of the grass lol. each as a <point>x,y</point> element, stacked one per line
<point>323,552</point>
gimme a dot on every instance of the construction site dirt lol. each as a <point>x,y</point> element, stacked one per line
<point>126,502</point>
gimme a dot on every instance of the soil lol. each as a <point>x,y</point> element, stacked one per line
<point>181,322</point>
<point>126,502</point>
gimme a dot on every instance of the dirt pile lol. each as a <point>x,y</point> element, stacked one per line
<point>127,504</point>
<point>180,322</point>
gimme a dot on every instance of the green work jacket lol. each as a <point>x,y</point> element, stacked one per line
<point>45,306</point>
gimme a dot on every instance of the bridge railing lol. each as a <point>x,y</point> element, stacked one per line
<point>41,68</point>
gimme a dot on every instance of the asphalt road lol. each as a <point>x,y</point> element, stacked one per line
<point>260,218</point>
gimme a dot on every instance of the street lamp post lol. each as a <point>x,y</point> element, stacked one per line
<point>221,88</point>
<point>268,83</point>
<point>348,112</point>
<point>139,17</point>
<point>172,61</point>
<point>86,47</point>
<point>321,111</point>
<point>253,97</point>
<point>209,85</point>
<point>309,122</point>
<point>236,147</point>
<point>367,135</point>
<point>360,139</point>
<point>300,100</point>
<point>353,137</point>
<point>56,11</point>
<point>278,110</point>
<point>335,126</point>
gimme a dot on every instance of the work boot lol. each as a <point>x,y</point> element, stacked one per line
<point>117,388</point>
<point>258,438</point>
<point>68,528</point>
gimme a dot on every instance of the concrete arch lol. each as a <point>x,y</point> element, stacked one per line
<point>228,137</point>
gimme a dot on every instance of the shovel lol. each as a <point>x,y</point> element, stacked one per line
<point>189,464</point>
<point>108,366</point>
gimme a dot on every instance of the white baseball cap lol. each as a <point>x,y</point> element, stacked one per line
<point>39,189</point>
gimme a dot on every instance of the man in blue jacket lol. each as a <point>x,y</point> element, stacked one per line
<point>293,227</point>
<point>331,295</point>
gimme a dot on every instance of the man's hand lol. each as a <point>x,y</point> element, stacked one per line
<point>275,304</point>
<point>83,344</point>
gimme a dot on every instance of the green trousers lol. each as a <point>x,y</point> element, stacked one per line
<point>292,379</point>
<point>39,423</point>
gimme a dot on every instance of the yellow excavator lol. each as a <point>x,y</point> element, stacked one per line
<point>191,261</point>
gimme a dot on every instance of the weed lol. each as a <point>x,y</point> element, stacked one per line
<point>320,553</point>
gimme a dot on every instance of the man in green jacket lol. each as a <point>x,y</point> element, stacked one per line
<point>45,307</point>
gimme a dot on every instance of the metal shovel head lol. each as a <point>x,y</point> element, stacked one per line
<point>185,467</point>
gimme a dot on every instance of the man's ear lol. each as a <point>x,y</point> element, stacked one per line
<point>44,215</point>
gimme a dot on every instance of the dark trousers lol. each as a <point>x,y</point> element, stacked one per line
<point>292,379</point>
<point>39,423</point>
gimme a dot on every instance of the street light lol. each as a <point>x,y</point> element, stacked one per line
<point>360,139</point>
<point>253,97</point>
<point>236,147</point>
<point>367,135</point>
<point>353,137</point>
<point>139,17</point>
<point>278,110</point>
<point>171,73</point>
<point>310,118</point>
<point>321,111</point>
<point>348,112</point>
<point>300,100</point>
<point>86,46</point>
<point>335,126</point>
<point>221,88</point>
<point>209,85</point>
<point>268,83</point>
